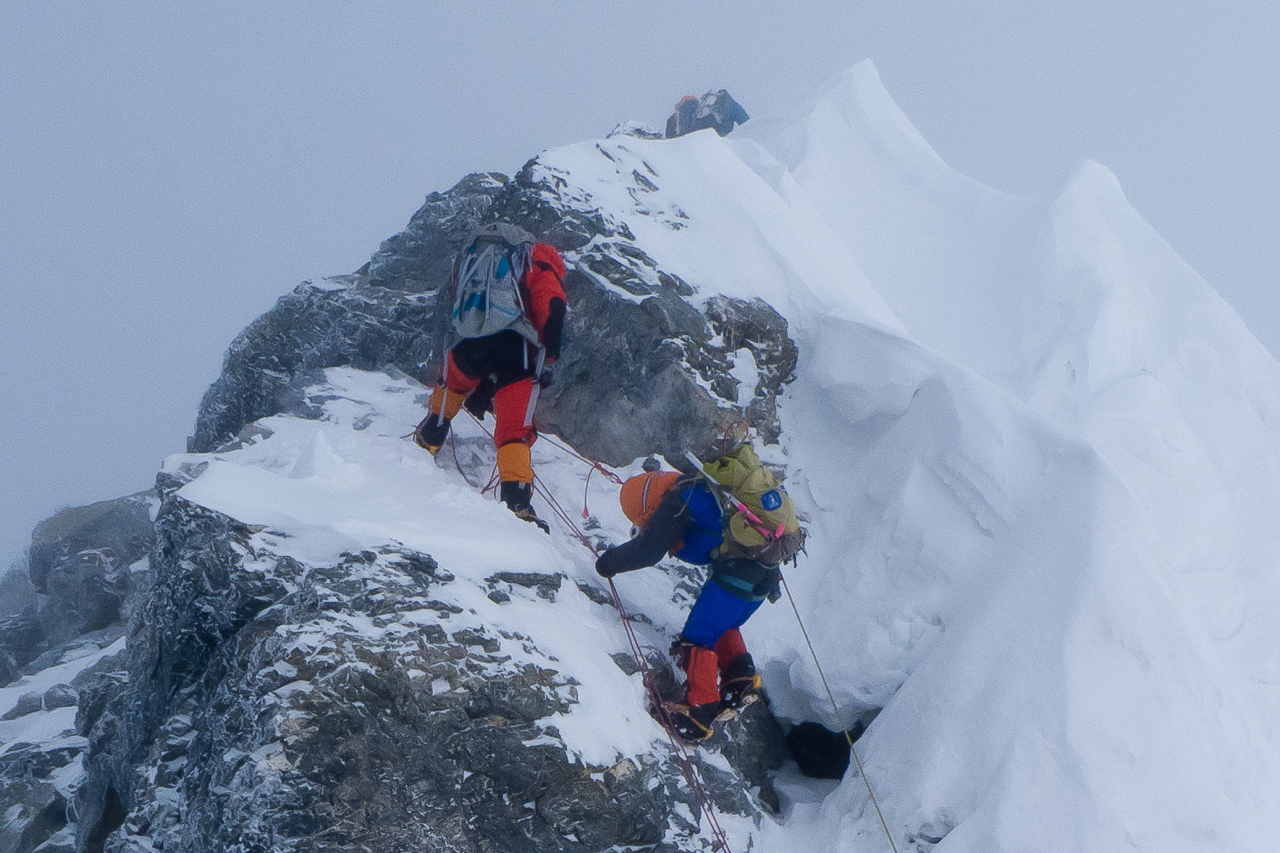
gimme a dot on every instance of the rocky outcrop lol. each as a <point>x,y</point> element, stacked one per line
<point>273,706</point>
<point>219,694</point>
<point>387,313</point>
<point>343,321</point>
<point>90,567</point>
<point>80,560</point>
<point>81,567</point>
<point>635,343</point>
<point>16,591</point>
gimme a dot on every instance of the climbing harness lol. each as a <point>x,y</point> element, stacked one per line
<point>835,708</point>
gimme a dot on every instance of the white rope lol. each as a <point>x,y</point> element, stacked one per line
<point>835,708</point>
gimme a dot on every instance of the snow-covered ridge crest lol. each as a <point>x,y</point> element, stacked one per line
<point>1036,452</point>
<point>1074,306</point>
<point>1103,344</point>
<point>397,576</point>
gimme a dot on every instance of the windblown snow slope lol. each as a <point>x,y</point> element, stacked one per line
<point>1037,454</point>
<point>1039,451</point>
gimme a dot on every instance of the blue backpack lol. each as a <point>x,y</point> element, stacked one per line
<point>487,296</point>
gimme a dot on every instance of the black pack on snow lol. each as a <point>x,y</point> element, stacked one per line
<point>486,288</point>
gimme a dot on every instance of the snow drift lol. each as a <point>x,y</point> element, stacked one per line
<point>1039,453</point>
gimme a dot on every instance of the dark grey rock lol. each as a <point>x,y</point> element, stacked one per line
<point>35,809</point>
<point>254,718</point>
<point>247,714</point>
<point>100,537</point>
<point>81,562</point>
<point>596,594</point>
<point>633,377</point>
<point>60,696</point>
<point>22,640</point>
<point>546,586</point>
<point>421,256</point>
<point>28,703</point>
<point>360,324</point>
<point>17,593</point>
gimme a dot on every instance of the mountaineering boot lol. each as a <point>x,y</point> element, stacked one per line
<point>739,683</point>
<point>434,429</point>
<point>692,718</point>
<point>431,433</point>
<point>517,497</point>
<point>692,723</point>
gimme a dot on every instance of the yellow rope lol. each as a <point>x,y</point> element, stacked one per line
<point>836,710</point>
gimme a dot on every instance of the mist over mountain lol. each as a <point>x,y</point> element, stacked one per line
<point>1034,449</point>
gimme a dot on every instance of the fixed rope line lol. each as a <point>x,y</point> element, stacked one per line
<point>690,770</point>
<point>649,679</point>
<point>687,767</point>
<point>595,466</point>
<point>453,444</point>
<point>561,514</point>
<point>836,710</point>
<point>550,439</point>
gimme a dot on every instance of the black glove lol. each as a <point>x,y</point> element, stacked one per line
<point>545,378</point>
<point>772,586</point>
<point>603,569</point>
<point>480,401</point>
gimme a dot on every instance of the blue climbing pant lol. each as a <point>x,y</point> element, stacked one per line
<point>716,611</point>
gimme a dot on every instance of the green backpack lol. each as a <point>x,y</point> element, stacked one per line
<point>760,521</point>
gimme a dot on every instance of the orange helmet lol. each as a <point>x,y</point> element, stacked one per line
<point>642,493</point>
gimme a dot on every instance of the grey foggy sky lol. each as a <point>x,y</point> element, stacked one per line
<point>168,170</point>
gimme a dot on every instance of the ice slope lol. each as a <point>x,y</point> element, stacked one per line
<point>1035,449</point>
<point>1079,309</point>
<point>1039,450</point>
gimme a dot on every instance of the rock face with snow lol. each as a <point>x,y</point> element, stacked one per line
<point>451,740</point>
<point>89,565</point>
<point>634,343</point>
<point>282,702</point>
<point>1036,452</point>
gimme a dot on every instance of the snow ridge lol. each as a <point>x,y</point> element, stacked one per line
<point>1033,445</point>
<point>1035,449</point>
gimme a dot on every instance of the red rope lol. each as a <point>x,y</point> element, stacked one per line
<point>576,455</point>
<point>595,466</point>
<point>560,513</point>
<point>687,767</point>
<point>648,677</point>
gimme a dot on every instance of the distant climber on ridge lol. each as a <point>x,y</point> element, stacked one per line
<point>714,109</point>
<point>734,517</point>
<point>508,311</point>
